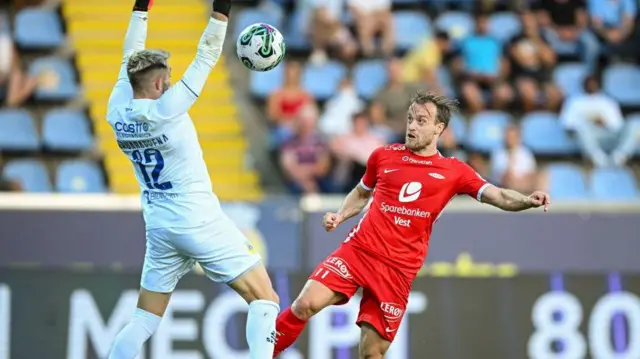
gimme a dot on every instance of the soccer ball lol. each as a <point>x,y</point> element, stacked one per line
<point>260,47</point>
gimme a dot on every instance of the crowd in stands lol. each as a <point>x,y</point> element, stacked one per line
<point>544,86</point>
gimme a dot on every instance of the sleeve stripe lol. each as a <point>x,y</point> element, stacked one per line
<point>367,188</point>
<point>189,88</point>
<point>479,196</point>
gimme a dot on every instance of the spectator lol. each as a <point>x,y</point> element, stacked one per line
<point>373,17</point>
<point>327,32</point>
<point>613,22</point>
<point>564,24</point>
<point>305,159</point>
<point>15,85</point>
<point>514,166</point>
<point>532,62</point>
<point>352,150</point>
<point>484,68</point>
<point>379,124</point>
<point>596,120</point>
<point>284,105</point>
<point>448,145</point>
<point>423,62</point>
<point>395,97</point>
<point>339,110</point>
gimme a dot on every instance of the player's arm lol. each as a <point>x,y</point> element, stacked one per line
<point>358,198</point>
<point>472,184</point>
<point>181,96</point>
<point>514,201</point>
<point>134,40</point>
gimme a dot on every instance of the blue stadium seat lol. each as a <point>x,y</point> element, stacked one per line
<point>38,28</point>
<point>456,23</point>
<point>79,176</point>
<point>567,182</point>
<point>621,82</point>
<point>31,174</point>
<point>446,81</point>
<point>251,16</point>
<point>459,127</point>
<point>613,184</point>
<point>544,135</point>
<point>504,25</point>
<point>261,84</point>
<point>634,120</point>
<point>323,81</point>
<point>18,131</point>
<point>411,27</point>
<point>486,130</point>
<point>60,79</point>
<point>295,34</point>
<point>369,77</point>
<point>67,130</point>
<point>569,78</point>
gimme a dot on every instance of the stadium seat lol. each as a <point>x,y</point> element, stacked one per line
<point>633,120</point>
<point>621,82</point>
<point>566,182</point>
<point>261,84</point>
<point>486,130</point>
<point>569,77</point>
<point>31,174</point>
<point>58,79</point>
<point>613,184</point>
<point>504,25</point>
<point>250,16</point>
<point>544,135</point>
<point>369,77</point>
<point>66,130</point>
<point>323,81</point>
<point>38,28</point>
<point>459,127</point>
<point>79,176</point>
<point>18,131</point>
<point>411,27</point>
<point>295,34</point>
<point>457,24</point>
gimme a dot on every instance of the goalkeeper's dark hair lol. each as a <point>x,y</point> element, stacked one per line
<point>445,106</point>
<point>142,63</point>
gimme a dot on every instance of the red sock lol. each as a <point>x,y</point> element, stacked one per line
<point>288,327</point>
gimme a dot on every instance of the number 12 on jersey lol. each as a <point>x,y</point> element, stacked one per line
<point>147,158</point>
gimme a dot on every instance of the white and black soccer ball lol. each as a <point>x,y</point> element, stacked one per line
<point>260,47</point>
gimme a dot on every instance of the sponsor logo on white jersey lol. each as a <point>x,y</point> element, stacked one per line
<point>410,192</point>
<point>436,175</point>
<point>338,266</point>
<point>413,160</point>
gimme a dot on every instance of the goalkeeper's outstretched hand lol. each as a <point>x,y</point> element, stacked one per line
<point>142,5</point>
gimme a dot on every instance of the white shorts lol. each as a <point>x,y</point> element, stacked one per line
<point>219,247</point>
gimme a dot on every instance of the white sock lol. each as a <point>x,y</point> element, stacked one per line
<point>132,337</point>
<point>261,328</point>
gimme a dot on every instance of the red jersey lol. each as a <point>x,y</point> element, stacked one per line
<point>410,193</point>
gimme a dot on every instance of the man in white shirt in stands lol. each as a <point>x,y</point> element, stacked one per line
<point>514,166</point>
<point>184,222</point>
<point>597,122</point>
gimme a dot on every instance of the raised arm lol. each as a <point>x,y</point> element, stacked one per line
<point>181,96</point>
<point>134,40</point>
<point>514,201</point>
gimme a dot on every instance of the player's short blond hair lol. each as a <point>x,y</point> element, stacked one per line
<point>143,61</point>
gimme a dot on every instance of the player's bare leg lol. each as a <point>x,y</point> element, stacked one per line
<point>313,298</point>
<point>145,321</point>
<point>255,287</point>
<point>372,345</point>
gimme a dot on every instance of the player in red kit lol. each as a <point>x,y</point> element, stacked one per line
<point>384,252</point>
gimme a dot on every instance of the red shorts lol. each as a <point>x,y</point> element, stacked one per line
<point>385,289</point>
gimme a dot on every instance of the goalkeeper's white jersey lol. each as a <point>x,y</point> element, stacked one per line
<point>160,139</point>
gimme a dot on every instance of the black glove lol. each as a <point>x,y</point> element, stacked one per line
<point>142,5</point>
<point>222,6</point>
